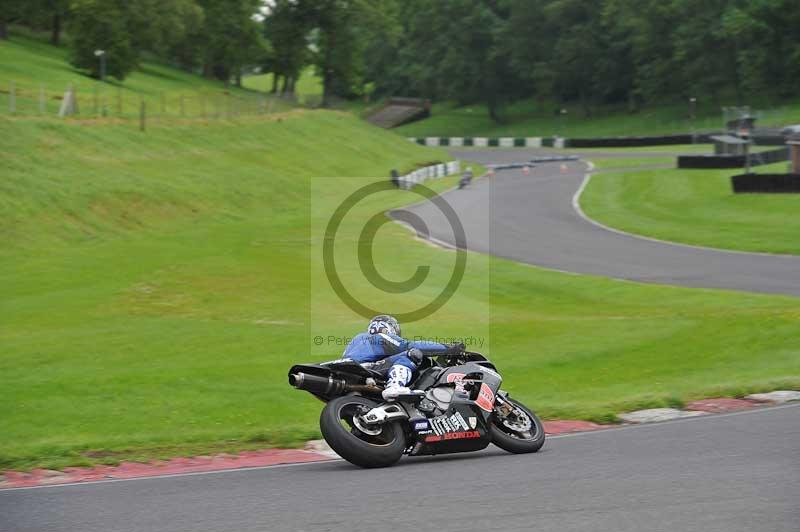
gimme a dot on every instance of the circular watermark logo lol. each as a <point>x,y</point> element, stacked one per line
<point>366,260</point>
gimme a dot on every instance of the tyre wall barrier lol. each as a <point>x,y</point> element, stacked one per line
<point>560,142</point>
<point>733,161</point>
<point>483,142</point>
<point>434,171</point>
<point>766,183</point>
<point>599,142</point>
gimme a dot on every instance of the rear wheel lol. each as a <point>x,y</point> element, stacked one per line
<point>515,428</point>
<point>355,441</point>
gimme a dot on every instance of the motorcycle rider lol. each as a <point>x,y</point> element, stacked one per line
<point>382,348</point>
<point>466,177</point>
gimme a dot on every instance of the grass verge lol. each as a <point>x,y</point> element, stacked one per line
<point>695,207</point>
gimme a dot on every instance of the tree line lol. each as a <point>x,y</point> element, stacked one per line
<point>589,52</point>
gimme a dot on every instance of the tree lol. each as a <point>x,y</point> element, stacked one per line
<point>339,44</point>
<point>102,25</point>
<point>10,10</point>
<point>58,12</point>
<point>231,38</point>
<point>287,27</point>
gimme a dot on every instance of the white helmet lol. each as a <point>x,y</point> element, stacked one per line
<point>384,323</point>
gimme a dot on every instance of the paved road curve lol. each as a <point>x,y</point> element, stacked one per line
<point>531,218</point>
<point>724,473</point>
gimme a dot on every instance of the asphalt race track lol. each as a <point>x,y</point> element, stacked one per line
<point>531,218</point>
<point>722,473</point>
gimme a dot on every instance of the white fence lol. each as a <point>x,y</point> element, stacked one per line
<point>428,172</point>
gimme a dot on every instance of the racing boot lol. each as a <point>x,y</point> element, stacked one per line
<point>399,376</point>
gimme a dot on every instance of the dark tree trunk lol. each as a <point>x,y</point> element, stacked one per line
<point>55,35</point>
<point>328,75</point>
<point>292,82</point>
<point>327,88</point>
<point>585,104</point>
<point>494,110</point>
<point>274,83</point>
<point>239,77</point>
<point>3,28</point>
<point>285,86</point>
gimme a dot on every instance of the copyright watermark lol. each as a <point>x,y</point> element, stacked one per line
<point>470,342</point>
<point>364,262</point>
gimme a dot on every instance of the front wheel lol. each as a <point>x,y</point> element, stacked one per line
<point>358,443</point>
<point>515,428</point>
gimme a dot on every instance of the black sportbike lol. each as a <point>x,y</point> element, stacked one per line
<point>455,405</point>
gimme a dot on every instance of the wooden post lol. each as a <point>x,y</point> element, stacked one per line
<point>12,100</point>
<point>142,115</point>
<point>42,100</point>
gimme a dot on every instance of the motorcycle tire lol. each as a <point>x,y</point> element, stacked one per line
<point>502,436</point>
<point>357,447</point>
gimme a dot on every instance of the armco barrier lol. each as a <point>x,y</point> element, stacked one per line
<point>733,161</point>
<point>627,142</point>
<point>434,171</point>
<point>766,183</point>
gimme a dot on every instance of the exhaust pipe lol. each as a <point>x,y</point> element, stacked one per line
<point>316,384</point>
<point>327,385</point>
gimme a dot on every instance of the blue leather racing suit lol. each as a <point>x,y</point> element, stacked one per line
<point>392,351</point>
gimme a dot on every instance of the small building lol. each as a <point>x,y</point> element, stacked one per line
<point>729,145</point>
<point>794,152</point>
<point>742,125</point>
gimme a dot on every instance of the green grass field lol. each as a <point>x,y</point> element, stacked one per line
<point>695,207</point>
<point>626,162</point>
<point>527,119</point>
<point>156,287</point>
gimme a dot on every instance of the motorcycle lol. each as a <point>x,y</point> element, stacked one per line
<point>455,405</point>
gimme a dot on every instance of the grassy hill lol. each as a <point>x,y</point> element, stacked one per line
<point>33,65</point>
<point>155,287</point>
